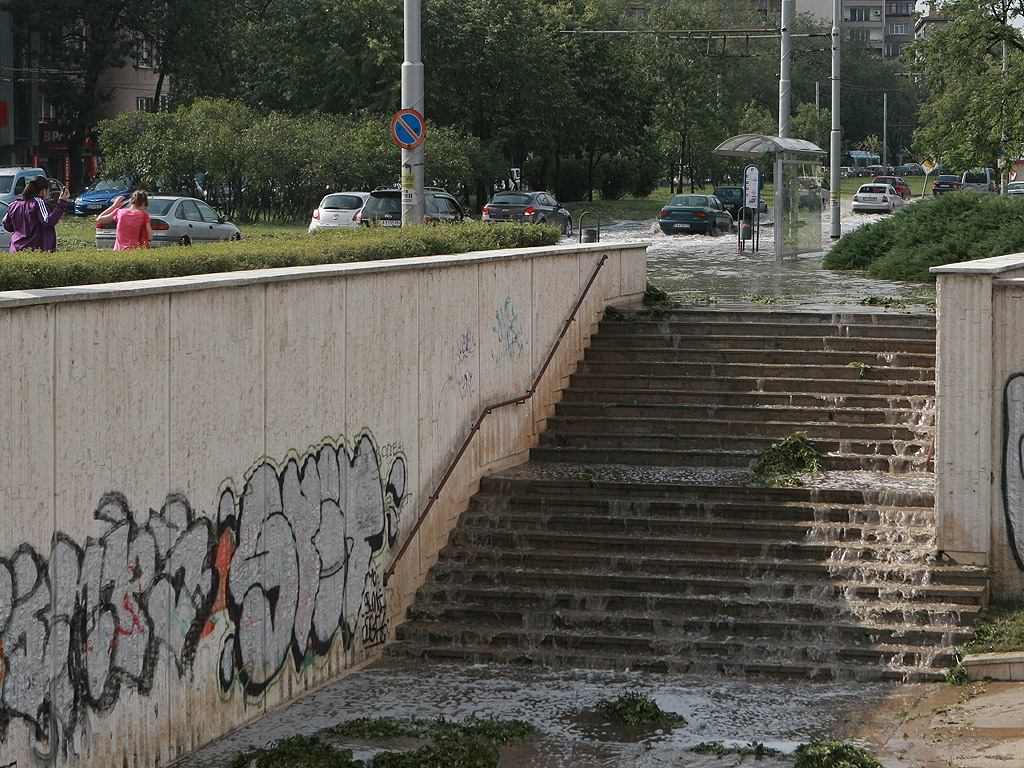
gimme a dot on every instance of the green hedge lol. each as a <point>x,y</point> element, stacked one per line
<point>36,269</point>
<point>950,228</point>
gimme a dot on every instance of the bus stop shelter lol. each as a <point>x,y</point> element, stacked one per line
<point>800,195</point>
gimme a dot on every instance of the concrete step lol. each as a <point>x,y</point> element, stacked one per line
<point>781,320</point>
<point>881,352</point>
<point>825,387</point>
<point>618,392</point>
<point>728,411</point>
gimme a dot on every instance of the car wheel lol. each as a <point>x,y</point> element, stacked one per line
<point>567,227</point>
<point>236,237</point>
<point>185,240</point>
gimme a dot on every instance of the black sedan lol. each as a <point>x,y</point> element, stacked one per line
<point>694,213</point>
<point>944,183</point>
<point>528,208</point>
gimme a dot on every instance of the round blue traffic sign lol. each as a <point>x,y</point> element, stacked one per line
<point>407,128</point>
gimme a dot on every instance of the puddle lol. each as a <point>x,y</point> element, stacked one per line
<point>561,703</point>
<point>699,268</point>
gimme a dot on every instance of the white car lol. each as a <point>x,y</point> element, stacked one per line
<point>877,198</point>
<point>1015,188</point>
<point>338,209</point>
<point>177,221</point>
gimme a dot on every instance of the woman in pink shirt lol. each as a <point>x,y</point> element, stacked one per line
<point>133,227</point>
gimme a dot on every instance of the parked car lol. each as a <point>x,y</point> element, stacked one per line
<point>5,236</point>
<point>813,192</point>
<point>98,196</point>
<point>694,213</point>
<point>946,183</point>
<point>983,180</point>
<point>14,179</point>
<point>1015,188</point>
<point>528,208</point>
<point>384,208</point>
<point>177,221</point>
<point>338,209</point>
<point>877,198</point>
<point>897,182</point>
<point>846,172</point>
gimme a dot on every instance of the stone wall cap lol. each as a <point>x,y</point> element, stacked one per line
<point>135,288</point>
<point>991,266</point>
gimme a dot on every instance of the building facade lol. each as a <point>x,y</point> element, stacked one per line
<point>30,134</point>
<point>884,26</point>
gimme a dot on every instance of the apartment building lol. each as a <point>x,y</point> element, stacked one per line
<point>29,130</point>
<point>883,25</point>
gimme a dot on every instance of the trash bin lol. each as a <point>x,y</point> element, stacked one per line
<point>591,234</point>
<point>588,235</point>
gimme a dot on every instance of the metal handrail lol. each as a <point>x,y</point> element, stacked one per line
<point>493,407</point>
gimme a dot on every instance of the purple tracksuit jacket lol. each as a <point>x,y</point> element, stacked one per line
<point>32,222</point>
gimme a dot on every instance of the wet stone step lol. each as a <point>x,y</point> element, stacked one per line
<point>905,572</point>
<point>813,412</point>
<point>717,459</point>
<point>831,387</point>
<point>716,428</point>
<point>679,331</point>
<point>626,395</point>
<point>780,316</point>
<point>753,366</point>
<point>905,352</point>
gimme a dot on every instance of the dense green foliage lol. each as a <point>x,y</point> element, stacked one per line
<point>999,628</point>
<point>36,269</point>
<point>297,752</point>
<point>754,748</point>
<point>829,753</point>
<point>782,462</point>
<point>638,711</point>
<point>974,103</point>
<point>944,230</point>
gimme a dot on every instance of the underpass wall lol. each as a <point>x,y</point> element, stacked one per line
<point>979,443</point>
<point>204,480</point>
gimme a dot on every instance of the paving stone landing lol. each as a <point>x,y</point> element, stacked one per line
<point>636,538</point>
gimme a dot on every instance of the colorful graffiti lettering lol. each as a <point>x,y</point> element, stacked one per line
<point>290,564</point>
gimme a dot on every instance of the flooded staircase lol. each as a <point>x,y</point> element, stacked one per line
<point>636,538</point>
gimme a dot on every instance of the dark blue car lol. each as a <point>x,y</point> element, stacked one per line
<point>98,196</point>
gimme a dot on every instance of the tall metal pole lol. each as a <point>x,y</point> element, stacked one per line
<point>835,150</point>
<point>784,84</point>
<point>412,98</point>
<point>885,132</point>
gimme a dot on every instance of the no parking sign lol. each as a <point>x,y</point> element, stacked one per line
<point>408,128</point>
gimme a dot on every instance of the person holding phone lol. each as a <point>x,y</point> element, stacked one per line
<point>31,220</point>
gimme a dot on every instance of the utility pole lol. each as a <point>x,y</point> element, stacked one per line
<point>412,98</point>
<point>885,132</point>
<point>784,82</point>
<point>835,225</point>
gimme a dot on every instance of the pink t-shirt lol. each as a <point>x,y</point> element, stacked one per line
<point>131,228</point>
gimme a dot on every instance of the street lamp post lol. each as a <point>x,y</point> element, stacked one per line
<point>835,225</point>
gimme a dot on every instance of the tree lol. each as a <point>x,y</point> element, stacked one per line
<point>972,112</point>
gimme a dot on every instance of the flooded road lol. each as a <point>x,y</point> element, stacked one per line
<point>703,269</point>
<point>561,704</point>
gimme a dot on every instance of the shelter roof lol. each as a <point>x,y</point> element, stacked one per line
<point>755,145</point>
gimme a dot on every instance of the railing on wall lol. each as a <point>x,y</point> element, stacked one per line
<point>486,411</point>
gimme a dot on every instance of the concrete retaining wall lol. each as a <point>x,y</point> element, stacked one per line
<point>979,453</point>
<point>203,480</point>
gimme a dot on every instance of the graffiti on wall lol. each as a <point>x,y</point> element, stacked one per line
<point>1013,464</point>
<point>508,329</point>
<point>291,564</point>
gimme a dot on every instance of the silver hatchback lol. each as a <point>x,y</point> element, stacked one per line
<point>177,221</point>
<point>338,209</point>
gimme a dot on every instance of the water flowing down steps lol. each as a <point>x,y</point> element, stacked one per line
<point>635,537</point>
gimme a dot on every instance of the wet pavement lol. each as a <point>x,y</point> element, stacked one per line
<point>705,269</point>
<point>910,726</point>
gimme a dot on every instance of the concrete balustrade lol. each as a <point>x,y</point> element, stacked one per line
<point>979,493</point>
<point>204,479</point>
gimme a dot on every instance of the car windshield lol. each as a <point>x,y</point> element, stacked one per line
<point>107,185</point>
<point>876,189</point>
<point>5,183</point>
<point>511,200</point>
<point>342,203</point>
<point>947,179</point>
<point>1015,185</point>
<point>727,192</point>
<point>698,200</point>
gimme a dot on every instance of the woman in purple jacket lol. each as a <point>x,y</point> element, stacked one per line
<point>32,220</point>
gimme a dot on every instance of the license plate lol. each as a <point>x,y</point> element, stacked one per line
<point>682,226</point>
<point>390,222</point>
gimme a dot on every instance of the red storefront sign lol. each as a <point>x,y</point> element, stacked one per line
<point>50,137</point>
